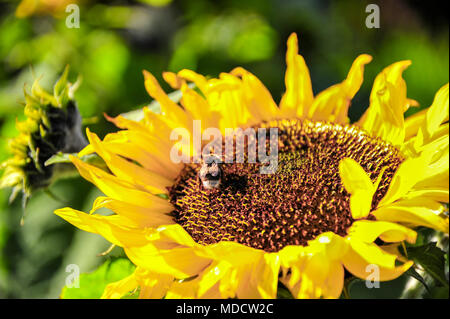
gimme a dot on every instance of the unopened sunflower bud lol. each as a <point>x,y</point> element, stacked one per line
<point>52,125</point>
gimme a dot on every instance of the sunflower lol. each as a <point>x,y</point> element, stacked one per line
<point>52,125</point>
<point>343,198</point>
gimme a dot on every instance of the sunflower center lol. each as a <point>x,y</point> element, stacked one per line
<point>304,198</point>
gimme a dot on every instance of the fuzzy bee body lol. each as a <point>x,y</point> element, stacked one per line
<point>211,172</point>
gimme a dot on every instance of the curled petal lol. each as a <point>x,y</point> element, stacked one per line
<point>113,228</point>
<point>384,117</point>
<point>367,260</point>
<point>359,185</point>
<point>407,175</point>
<point>299,95</point>
<point>437,113</point>
<point>138,216</point>
<point>367,231</point>
<point>332,104</point>
<point>129,171</point>
<point>115,187</point>
<point>415,212</point>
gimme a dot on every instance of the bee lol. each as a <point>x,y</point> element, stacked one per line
<point>211,171</point>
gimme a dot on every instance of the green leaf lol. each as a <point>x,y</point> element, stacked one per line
<point>59,158</point>
<point>63,158</point>
<point>432,259</point>
<point>413,273</point>
<point>154,106</point>
<point>92,285</point>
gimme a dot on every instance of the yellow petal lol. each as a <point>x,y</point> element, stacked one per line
<point>180,262</point>
<point>438,112</point>
<point>407,175</point>
<point>416,212</point>
<point>86,151</point>
<point>226,95</point>
<point>152,285</point>
<point>426,128</point>
<point>170,250</point>
<point>411,103</point>
<point>125,123</point>
<point>189,289</point>
<point>129,171</point>
<point>138,216</point>
<point>173,80</point>
<point>114,187</point>
<point>368,231</point>
<point>413,123</point>
<point>394,249</point>
<point>332,104</point>
<point>315,270</point>
<point>363,268</point>
<point>299,95</point>
<point>256,279</point>
<point>144,147</point>
<point>436,175</point>
<point>112,228</point>
<point>241,270</point>
<point>334,283</point>
<point>269,270</point>
<point>232,252</point>
<point>118,289</point>
<point>320,278</point>
<point>384,117</point>
<point>176,233</point>
<point>436,194</point>
<point>199,108</point>
<point>256,96</point>
<point>372,253</point>
<point>147,149</point>
<point>199,80</point>
<point>211,276</point>
<point>359,185</point>
<point>174,114</point>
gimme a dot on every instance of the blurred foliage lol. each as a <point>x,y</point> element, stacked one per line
<point>118,39</point>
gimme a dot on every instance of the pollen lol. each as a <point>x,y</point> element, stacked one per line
<point>301,200</point>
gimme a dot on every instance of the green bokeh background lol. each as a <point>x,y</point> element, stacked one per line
<point>118,39</point>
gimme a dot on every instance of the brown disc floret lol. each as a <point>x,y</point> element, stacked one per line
<point>304,198</point>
